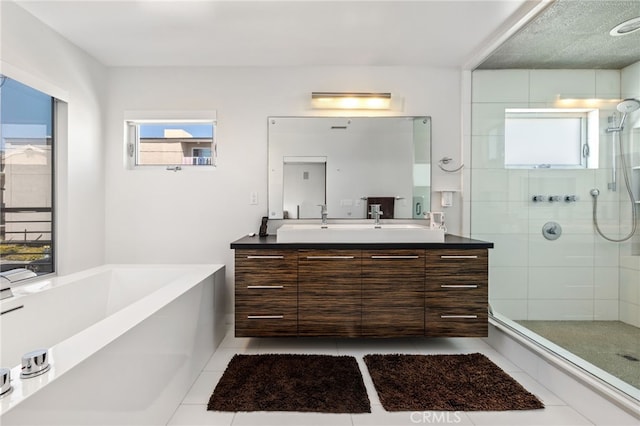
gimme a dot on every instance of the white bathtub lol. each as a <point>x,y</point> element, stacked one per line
<point>125,343</point>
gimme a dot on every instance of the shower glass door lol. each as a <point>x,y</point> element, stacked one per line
<point>570,289</point>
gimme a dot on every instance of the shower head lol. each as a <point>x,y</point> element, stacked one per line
<point>628,105</point>
<point>625,107</point>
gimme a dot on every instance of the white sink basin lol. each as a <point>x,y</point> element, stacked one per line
<point>358,233</point>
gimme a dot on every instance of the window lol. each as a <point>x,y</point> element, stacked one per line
<point>171,143</point>
<point>201,156</point>
<point>551,138</point>
<point>26,180</point>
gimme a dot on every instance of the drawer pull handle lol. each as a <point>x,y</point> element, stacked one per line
<point>264,286</point>
<point>265,257</point>
<point>459,257</point>
<point>459,316</point>
<point>458,285</point>
<point>395,257</point>
<point>265,316</point>
<point>329,257</point>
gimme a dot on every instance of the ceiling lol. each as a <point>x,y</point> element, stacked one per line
<point>438,33</point>
<point>444,33</point>
<point>572,34</point>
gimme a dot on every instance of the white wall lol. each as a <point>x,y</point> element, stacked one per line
<point>192,216</point>
<point>34,54</point>
<point>576,276</point>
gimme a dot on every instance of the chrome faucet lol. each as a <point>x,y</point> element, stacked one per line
<point>7,278</point>
<point>5,289</point>
<point>323,213</point>
<point>375,213</point>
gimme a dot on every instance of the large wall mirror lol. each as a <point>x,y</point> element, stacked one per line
<point>349,163</point>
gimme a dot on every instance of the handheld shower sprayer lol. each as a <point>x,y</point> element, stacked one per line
<point>625,107</point>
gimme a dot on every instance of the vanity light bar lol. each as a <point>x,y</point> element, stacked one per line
<point>350,100</point>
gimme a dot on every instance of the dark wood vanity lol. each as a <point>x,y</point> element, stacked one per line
<point>361,290</point>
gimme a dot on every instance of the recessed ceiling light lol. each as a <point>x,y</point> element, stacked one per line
<point>627,27</point>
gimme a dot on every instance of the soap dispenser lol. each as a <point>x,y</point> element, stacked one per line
<point>263,227</point>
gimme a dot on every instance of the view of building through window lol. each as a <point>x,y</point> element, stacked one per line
<point>172,143</point>
<point>26,178</point>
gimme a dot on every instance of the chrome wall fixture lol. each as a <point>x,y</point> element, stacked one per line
<point>554,198</point>
<point>446,160</point>
<point>551,230</point>
<point>625,107</point>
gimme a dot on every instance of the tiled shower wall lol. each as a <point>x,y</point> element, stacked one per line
<point>579,275</point>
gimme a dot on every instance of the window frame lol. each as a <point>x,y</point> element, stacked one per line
<point>53,137</point>
<point>587,149</point>
<point>132,121</point>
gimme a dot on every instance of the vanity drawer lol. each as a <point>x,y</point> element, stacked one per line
<point>463,265</point>
<point>386,262</point>
<point>266,321</point>
<point>265,268</point>
<point>268,292</point>
<point>451,322</point>
<point>456,294</point>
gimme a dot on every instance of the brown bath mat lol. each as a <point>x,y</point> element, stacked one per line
<point>307,383</point>
<point>446,383</point>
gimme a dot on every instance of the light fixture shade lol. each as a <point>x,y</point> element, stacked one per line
<point>627,27</point>
<point>350,100</point>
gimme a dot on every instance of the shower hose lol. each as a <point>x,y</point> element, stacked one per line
<point>595,192</point>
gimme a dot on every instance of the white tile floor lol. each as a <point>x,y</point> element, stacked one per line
<point>193,409</point>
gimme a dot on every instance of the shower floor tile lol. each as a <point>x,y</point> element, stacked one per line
<point>612,346</point>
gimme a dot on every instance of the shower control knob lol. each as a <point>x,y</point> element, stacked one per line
<point>538,198</point>
<point>551,230</point>
<point>553,198</point>
<point>570,198</point>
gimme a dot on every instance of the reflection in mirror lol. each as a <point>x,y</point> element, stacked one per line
<point>304,188</point>
<point>348,163</point>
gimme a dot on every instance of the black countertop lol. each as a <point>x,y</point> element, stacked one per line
<point>269,242</point>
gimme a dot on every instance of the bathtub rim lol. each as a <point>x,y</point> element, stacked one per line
<point>67,354</point>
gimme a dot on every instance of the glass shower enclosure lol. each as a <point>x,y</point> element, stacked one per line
<point>544,165</point>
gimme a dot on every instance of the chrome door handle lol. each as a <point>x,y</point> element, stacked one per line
<point>458,285</point>
<point>253,287</point>
<point>329,257</point>
<point>395,257</point>
<point>458,316</point>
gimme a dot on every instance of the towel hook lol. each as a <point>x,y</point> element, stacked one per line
<point>447,160</point>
